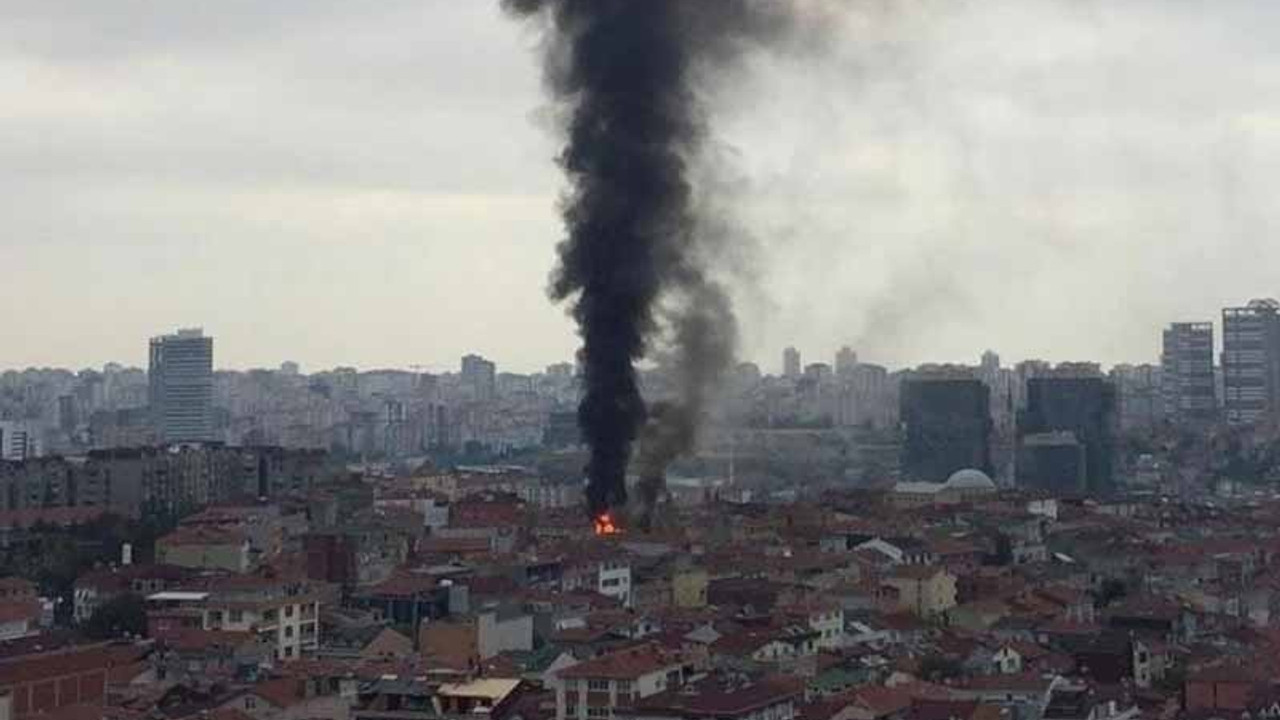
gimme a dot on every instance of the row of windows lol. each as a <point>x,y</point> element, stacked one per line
<point>1255,394</point>
<point>1244,356</point>
<point>237,616</point>
<point>598,686</point>
<point>234,616</point>
<point>1254,372</point>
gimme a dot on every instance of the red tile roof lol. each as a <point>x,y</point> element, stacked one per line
<point>720,698</point>
<point>16,610</point>
<point>281,692</point>
<point>1025,682</point>
<point>628,664</point>
<point>878,701</point>
<point>40,666</point>
<point>88,711</point>
<point>470,513</point>
<point>126,674</point>
<point>1062,595</point>
<point>404,584</point>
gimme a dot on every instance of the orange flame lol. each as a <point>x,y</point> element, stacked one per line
<point>605,525</point>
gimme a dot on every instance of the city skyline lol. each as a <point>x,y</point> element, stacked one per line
<point>837,354</point>
<point>769,365</point>
<point>395,201</point>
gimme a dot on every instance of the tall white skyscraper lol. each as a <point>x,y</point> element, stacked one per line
<point>181,386</point>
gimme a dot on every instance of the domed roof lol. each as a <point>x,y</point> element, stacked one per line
<point>970,479</point>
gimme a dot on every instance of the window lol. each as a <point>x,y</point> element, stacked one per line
<point>288,611</point>
<point>237,616</point>
<point>598,685</point>
<point>597,712</point>
<point>250,702</point>
<point>623,686</point>
<point>288,631</point>
<point>288,651</point>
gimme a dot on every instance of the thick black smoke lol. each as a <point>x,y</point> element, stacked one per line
<point>626,75</point>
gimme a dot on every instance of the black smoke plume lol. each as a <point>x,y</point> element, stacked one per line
<point>626,76</point>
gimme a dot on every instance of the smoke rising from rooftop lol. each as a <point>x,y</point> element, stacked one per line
<point>627,78</point>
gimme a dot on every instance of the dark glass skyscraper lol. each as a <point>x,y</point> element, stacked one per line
<point>948,427</point>
<point>1081,405</point>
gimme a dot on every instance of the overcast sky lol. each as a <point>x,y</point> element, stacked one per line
<point>371,183</point>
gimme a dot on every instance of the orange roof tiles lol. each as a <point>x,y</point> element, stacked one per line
<point>626,664</point>
<point>281,692</point>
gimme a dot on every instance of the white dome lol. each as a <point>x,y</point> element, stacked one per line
<point>970,479</point>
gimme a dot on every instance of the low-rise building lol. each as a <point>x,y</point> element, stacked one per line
<point>41,682</point>
<point>208,548</point>
<point>926,591</point>
<point>283,613</point>
<point>961,487</point>
<point>19,619</point>
<point>721,698</point>
<point>609,577</point>
<point>596,688</point>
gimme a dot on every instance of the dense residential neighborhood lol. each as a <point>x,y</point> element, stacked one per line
<point>945,542</point>
<point>381,596</point>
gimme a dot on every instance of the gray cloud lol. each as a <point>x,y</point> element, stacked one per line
<point>368,183</point>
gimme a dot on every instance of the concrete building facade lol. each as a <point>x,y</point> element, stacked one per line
<point>19,440</point>
<point>1251,362</point>
<point>181,386</point>
<point>791,363</point>
<point>1186,361</point>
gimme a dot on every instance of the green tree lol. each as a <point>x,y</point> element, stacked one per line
<point>936,668</point>
<point>1112,589</point>
<point>122,615</point>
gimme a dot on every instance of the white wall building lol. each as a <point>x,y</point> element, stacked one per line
<point>19,440</point>
<point>615,581</point>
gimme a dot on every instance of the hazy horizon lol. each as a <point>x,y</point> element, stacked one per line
<point>373,186</point>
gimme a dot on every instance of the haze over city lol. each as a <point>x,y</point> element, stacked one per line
<point>372,186</point>
<point>639,360</point>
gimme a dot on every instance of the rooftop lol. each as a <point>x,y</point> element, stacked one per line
<point>720,697</point>
<point>626,664</point>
